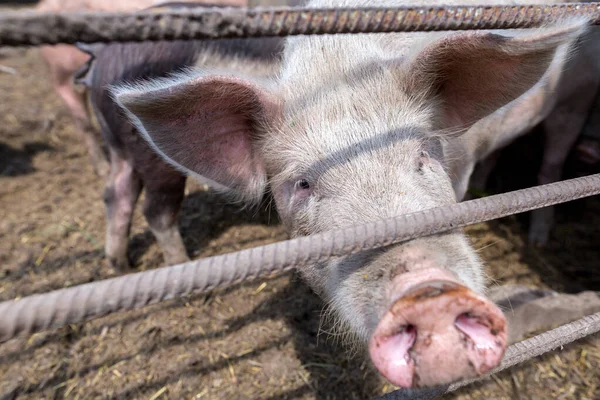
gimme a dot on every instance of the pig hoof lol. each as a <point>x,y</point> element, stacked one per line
<point>119,264</point>
<point>437,333</point>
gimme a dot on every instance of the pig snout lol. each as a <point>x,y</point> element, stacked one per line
<point>438,332</point>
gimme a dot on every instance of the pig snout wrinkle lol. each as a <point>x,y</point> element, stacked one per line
<point>438,332</point>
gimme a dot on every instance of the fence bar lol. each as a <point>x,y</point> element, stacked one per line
<point>35,28</point>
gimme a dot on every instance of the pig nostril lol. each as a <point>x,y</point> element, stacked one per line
<point>392,355</point>
<point>409,330</point>
<point>465,316</point>
<point>482,336</point>
<point>405,337</point>
<point>398,345</point>
<point>466,320</point>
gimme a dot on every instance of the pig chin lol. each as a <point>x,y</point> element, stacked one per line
<point>436,331</point>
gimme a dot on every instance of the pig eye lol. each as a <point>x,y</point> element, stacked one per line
<point>302,184</point>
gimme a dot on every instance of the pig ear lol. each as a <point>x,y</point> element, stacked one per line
<point>206,126</point>
<point>475,73</point>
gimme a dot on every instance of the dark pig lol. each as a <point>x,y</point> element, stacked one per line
<point>561,104</point>
<point>133,163</point>
<point>64,60</point>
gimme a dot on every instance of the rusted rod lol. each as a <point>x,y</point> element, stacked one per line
<point>92,300</point>
<point>35,28</point>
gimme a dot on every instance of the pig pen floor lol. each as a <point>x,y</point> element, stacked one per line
<point>260,340</point>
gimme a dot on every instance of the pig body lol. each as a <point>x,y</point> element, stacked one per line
<point>64,60</point>
<point>133,164</point>
<point>561,103</point>
<point>357,128</point>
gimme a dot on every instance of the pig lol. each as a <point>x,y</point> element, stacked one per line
<point>64,60</point>
<point>562,109</point>
<point>133,163</point>
<point>354,129</point>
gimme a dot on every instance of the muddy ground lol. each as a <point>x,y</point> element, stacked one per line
<point>257,340</point>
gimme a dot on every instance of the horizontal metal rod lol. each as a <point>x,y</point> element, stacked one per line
<point>92,300</point>
<point>34,28</point>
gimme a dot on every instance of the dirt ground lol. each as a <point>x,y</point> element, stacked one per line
<point>260,340</point>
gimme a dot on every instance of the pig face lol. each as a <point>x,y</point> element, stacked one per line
<point>352,132</point>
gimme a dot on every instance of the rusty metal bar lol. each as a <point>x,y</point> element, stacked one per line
<point>35,28</point>
<point>92,300</point>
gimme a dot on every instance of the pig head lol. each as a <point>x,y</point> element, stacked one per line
<point>355,129</point>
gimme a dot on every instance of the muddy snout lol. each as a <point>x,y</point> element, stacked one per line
<point>436,333</point>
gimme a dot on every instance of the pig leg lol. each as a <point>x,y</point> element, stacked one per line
<point>561,130</point>
<point>62,62</point>
<point>120,196</point>
<point>76,103</point>
<point>164,194</point>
